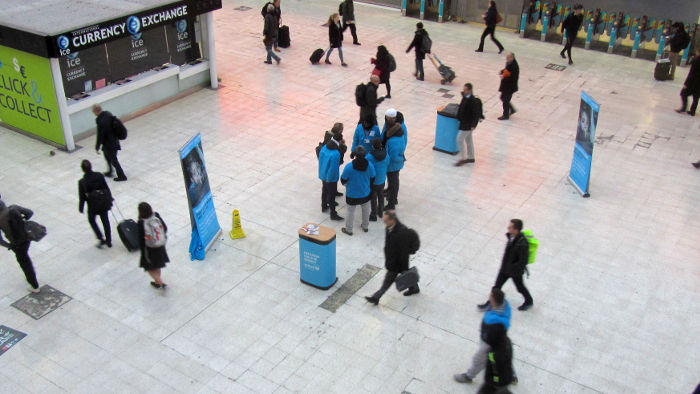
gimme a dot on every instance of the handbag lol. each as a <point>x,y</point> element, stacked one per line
<point>35,231</point>
<point>406,279</point>
<point>376,72</point>
<point>499,18</point>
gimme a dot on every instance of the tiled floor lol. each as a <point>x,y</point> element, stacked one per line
<point>615,285</point>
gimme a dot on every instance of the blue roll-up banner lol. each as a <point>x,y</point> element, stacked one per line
<point>205,226</point>
<point>580,173</point>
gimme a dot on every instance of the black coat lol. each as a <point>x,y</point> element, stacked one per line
<point>692,82</point>
<point>516,256</point>
<point>348,11</point>
<point>270,29</point>
<point>468,115</point>
<point>499,365</point>
<point>90,181</point>
<point>152,258</point>
<point>510,83</point>
<point>396,248</point>
<point>491,16</point>
<point>383,65</point>
<point>105,133</point>
<point>371,102</point>
<point>417,43</point>
<point>572,24</point>
<point>335,35</point>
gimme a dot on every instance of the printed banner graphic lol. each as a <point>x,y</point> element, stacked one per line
<point>205,225</point>
<point>580,173</point>
<point>27,95</point>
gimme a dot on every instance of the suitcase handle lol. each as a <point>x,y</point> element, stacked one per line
<point>120,211</point>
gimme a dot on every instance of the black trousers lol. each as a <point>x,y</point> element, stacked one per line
<point>507,106</point>
<point>490,29</point>
<point>353,31</point>
<point>392,192</point>
<point>490,388</point>
<point>569,44</point>
<point>518,280</point>
<point>684,100</point>
<point>388,87</point>
<point>420,73</point>
<point>377,200</point>
<point>112,161</point>
<point>104,218</point>
<point>328,195</point>
<point>389,279</point>
<point>22,255</point>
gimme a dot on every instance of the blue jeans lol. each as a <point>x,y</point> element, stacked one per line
<point>340,52</point>
<point>270,54</point>
<point>419,68</point>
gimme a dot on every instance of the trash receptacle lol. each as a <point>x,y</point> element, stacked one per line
<point>447,129</point>
<point>317,256</point>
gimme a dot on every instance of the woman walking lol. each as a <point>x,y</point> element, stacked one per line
<point>384,64</point>
<point>335,36</point>
<point>152,236</point>
<point>491,19</point>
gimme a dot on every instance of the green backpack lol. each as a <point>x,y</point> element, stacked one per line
<point>533,244</point>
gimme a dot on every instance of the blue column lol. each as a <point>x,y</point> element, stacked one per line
<point>403,7</point>
<point>422,9</point>
<point>662,44</point>
<point>685,54</point>
<point>637,39</point>
<point>523,24</point>
<point>545,25</point>
<point>589,36</point>
<point>613,34</point>
<point>440,11</point>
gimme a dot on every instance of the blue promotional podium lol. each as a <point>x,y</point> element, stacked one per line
<point>317,258</point>
<point>447,129</point>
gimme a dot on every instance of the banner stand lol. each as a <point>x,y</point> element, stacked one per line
<point>578,189</point>
<point>580,172</point>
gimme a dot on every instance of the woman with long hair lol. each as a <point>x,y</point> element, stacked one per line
<point>383,63</point>
<point>335,37</point>
<point>152,237</point>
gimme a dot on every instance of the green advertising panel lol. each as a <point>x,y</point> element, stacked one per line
<point>27,95</point>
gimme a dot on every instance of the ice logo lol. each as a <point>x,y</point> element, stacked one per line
<point>136,36</point>
<point>63,42</point>
<point>181,25</point>
<point>72,55</point>
<point>133,25</point>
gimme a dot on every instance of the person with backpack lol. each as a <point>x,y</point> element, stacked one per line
<point>358,177</point>
<point>108,141</point>
<point>152,238</point>
<point>384,65</point>
<point>93,190</point>
<point>677,43</point>
<point>395,148</point>
<point>491,18</point>
<point>366,98</point>
<point>509,85</point>
<point>12,224</point>
<point>380,160</point>
<point>270,32</point>
<point>400,243</point>
<point>365,132</point>
<point>347,11</point>
<point>514,263</point>
<point>421,44</point>
<point>335,37</point>
<point>329,159</point>
<point>571,26</point>
<point>276,12</point>
<point>469,116</point>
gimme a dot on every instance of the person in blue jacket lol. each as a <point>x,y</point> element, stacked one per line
<point>357,177</point>
<point>390,117</point>
<point>395,148</point>
<point>328,173</point>
<point>364,134</point>
<point>380,160</point>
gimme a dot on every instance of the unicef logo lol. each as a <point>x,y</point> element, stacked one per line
<point>63,42</point>
<point>181,25</point>
<point>133,25</point>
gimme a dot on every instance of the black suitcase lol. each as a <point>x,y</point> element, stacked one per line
<point>316,56</point>
<point>407,279</point>
<point>283,39</point>
<point>128,231</point>
<point>445,71</point>
<point>662,71</point>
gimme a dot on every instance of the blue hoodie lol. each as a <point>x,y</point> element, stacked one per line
<point>395,148</point>
<point>500,315</point>
<point>329,162</point>
<point>405,132</point>
<point>364,138</point>
<point>380,161</point>
<point>357,177</point>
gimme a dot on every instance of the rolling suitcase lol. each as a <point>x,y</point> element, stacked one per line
<point>407,279</point>
<point>283,39</point>
<point>316,56</point>
<point>128,231</point>
<point>445,71</point>
<point>662,70</point>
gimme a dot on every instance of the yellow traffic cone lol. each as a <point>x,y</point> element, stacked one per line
<point>237,231</point>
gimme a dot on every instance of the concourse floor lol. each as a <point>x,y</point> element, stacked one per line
<point>615,286</point>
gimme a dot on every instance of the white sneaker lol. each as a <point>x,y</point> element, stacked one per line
<point>33,290</point>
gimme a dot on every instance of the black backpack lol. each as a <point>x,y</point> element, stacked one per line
<point>360,92</point>
<point>426,43</point>
<point>263,12</point>
<point>118,128</point>
<point>341,6</point>
<point>392,63</point>
<point>413,241</point>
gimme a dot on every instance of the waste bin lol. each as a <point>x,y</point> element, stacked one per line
<point>317,257</point>
<point>447,129</point>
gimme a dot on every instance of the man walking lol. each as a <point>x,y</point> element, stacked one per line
<point>93,190</point>
<point>329,173</point>
<point>514,263</point>
<point>509,85</point>
<point>496,319</point>
<point>270,31</point>
<point>108,141</point>
<point>276,12</point>
<point>397,249</point>
<point>691,87</point>
<point>368,110</point>
<point>678,42</point>
<point>469,115</point>
<point>491,19</point>
<point>570,27</point>
<point>12,225</point>
<point>395,149</point>
<point>347,11</point>
<point>417,44</point>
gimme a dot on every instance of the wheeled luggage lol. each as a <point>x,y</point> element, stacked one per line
<point>407,279</point>
<point>662,71</point>
<point>128,231</point>
<point>283,39</point>
<point>445,71</point>
<point>316,56</point>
